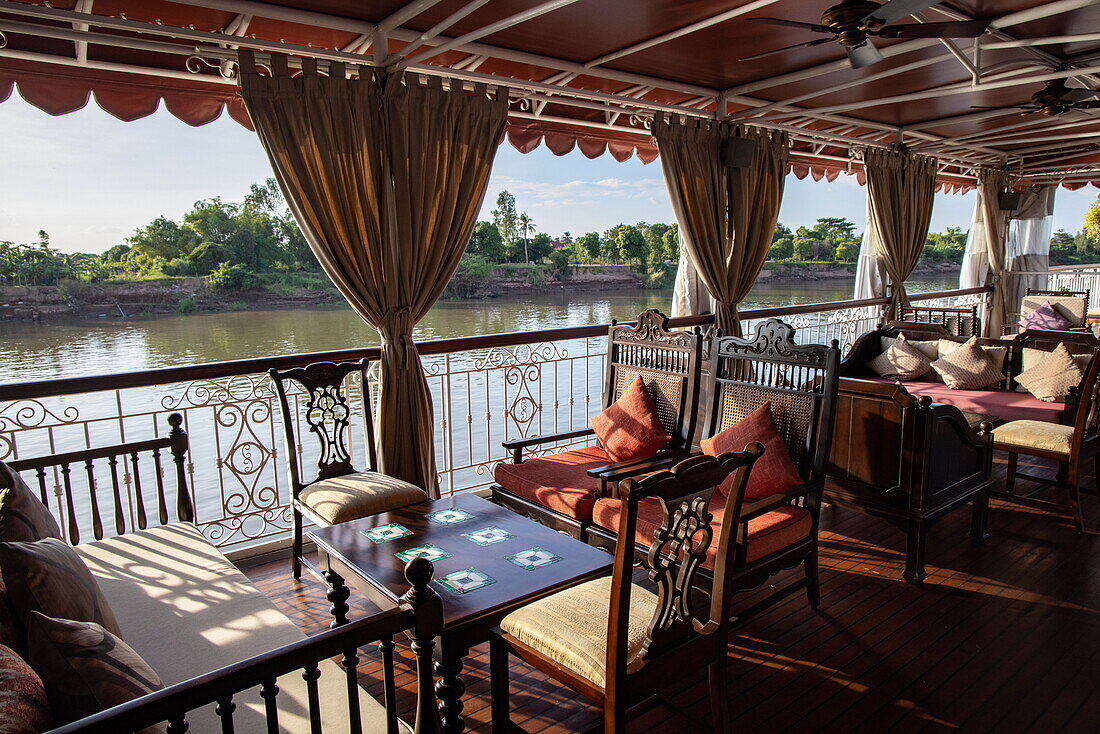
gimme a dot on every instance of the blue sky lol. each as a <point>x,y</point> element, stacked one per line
<point>90,180</point>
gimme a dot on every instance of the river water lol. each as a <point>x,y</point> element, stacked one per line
<point>45,350</point>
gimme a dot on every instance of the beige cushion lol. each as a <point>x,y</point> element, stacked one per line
<point>1023,435</point>
<point>968,367</point>
<point>86,669</point>
<point>362,494</point>
<point>173,591</point>
<point>570,627</point>
<point>929,348</point>
<point>1073,308</point>
<point>1051,379</point>
<point>999,354</point>
<point>1031,357</point>
<point>48,576</point>
<point>23,517</point>
<point>901,361</point>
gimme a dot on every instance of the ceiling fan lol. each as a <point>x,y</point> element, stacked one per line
<point>1055,99</point>
<point>853,23</point>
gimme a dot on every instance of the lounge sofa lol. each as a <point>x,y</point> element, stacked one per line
<point>214,639</point>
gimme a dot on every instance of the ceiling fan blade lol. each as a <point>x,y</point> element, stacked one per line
<point>1079,95</point>
<point>817,28</point>
<point>1094,105</point>
<point>863,55</point>
<point>815,42</point>
<point>1029,107</point>
<point>962,29</point>
<point>896,10</point>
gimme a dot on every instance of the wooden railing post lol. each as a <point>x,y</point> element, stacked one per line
<point>185,508</point>
<point>428,609</point>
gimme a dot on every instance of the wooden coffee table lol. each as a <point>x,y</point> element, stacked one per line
<point>488,562</point>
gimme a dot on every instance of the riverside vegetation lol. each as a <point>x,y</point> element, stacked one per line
<point>224,255</point>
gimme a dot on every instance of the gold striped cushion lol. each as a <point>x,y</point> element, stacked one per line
<point>570,627</point>
<point>1033,435</point>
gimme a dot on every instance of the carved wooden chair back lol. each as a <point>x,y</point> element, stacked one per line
<point>963,321</point>
<point>680,546</point>
<point>668,361</point>
<point>800,382</point>
<point>123,465</point>
<point>325,408</point>
<point>1086,423</point>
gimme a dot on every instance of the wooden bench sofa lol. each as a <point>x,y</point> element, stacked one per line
<point>911,452</point>
<point>228,659</point>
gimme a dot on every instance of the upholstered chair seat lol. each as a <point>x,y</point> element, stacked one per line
<point>771,532</point>
<point>570,627</point>
<point>559,482</point>
<point>1036,435</point>
<point>352,496</point>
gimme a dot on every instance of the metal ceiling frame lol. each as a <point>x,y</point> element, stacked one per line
<point>628,102</point>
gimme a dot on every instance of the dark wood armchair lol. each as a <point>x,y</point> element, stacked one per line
<point>619,644</point>
<point>559,488</point>
<point>1073,305</point>
<point>799,382</point>
<point>337,493</point>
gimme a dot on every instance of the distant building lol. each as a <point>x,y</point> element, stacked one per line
<point>555,245</point>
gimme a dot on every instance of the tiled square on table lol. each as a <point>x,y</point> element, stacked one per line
<point>465,581</point>
<point>386,533</point>
<point>430,552</point>
<point>533,558</point>
<point>449,517</point>
<point>488,536</point>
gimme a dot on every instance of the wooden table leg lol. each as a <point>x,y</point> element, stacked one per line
<point>916,541</point>
<point>449,689</point>
<point>338,595</point>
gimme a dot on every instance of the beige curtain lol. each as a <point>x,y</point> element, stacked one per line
<point>900,190</point>
<point>386,177</point>
<point>995,222</point>
<point>726,215</point>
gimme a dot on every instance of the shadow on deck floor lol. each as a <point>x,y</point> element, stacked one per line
<point>1004,637</point>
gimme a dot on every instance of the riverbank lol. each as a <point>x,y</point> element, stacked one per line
<point>281,291</point>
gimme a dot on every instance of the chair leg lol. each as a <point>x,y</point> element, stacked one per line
<point>1073,492</point>
<point>1010,478</point>
<point>813,581</point>
<point>719,696</point>
<point>296,548</point>
<point>979,519</point>
<point>501,712</point>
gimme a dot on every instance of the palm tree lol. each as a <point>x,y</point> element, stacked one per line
<point>525,226</point>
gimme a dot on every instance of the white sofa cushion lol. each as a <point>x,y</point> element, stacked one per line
<point>187,611</point>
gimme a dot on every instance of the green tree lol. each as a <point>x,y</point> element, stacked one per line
<point>781,231</point>
<point>506,219</point>
<point>803,247</point>
<point>847,251</point>
<point>627,243</point>
<point>525,226</point>
<point>540,247</point>
<point>781,249</point>
<point>1092,220</point>
<point>670,241</point>
<point>589,246</point>
<point>487,242</point>
<point>162,238</point>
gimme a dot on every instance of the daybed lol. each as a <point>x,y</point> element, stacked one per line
<point>224,654</point>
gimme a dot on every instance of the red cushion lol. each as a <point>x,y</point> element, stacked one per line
<point>559,482</point>
<point>773,472</point>
<point>767,534</point>
<point>630,428</point>
<point>23,707</point>
<point>1007,404</point>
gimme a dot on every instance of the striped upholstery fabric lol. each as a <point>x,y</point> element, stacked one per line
<point>23,705</point>
<point>86,669</point>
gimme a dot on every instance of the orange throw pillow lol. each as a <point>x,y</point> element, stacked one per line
<point>630,428</point>
<point>774,472</point>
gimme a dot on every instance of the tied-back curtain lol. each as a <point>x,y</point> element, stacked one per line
<point>994,225</point>
<point>900,190</point>
<point>1027,246</point>
<point>727,215</point>
<point>385,176</point>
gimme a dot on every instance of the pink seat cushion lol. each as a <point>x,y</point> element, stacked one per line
<point>559,482</point>
<point>1007,404</point>
<point>768,533</point>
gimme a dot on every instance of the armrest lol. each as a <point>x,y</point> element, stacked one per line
<point>624,469</point>
<point>521,443</point>
<point>754,510</point>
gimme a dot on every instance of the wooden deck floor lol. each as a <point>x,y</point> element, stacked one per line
<point>1005,637</point>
